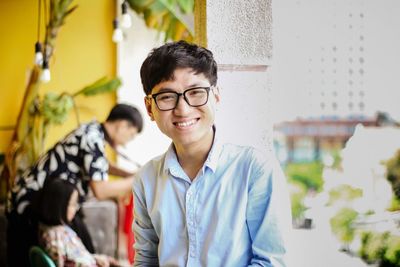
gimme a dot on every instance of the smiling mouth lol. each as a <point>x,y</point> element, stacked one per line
<point>185,123</point>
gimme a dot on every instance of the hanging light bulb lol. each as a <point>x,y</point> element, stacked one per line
<point>46,76</point>
<point>126,20</point>
<point>38,53</point>
<point>118,35</point>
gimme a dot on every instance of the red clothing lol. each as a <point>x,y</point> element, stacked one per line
<point>128,230</point>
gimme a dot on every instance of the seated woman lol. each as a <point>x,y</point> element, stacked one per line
<point>57,205</point>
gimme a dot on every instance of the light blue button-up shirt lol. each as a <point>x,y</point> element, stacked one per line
<point>234,213</point>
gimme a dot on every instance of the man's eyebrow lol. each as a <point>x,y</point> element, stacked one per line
<point>165,89</point>
<point>194,85</point>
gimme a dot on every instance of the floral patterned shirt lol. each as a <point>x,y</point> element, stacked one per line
<point>78,158</point>
<point>64,246</point>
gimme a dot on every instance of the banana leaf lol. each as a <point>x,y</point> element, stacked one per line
<point>59,10</point>
<point>103,85</point>
<point>167,16</point>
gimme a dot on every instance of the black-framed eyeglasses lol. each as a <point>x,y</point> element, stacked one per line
<point>195,97</point>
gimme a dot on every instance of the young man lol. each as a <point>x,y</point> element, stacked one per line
<point>203,202</point>
<point>80,159</point>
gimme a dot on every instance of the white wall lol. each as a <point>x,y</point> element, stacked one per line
<point>138,42</point>
<point>342,53</point>
<point>241,42</point>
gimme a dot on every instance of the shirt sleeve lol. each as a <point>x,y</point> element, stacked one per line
<point>52,242</point>
<point>146,239</point>
<point>95,163</point>
<point>268,214</point>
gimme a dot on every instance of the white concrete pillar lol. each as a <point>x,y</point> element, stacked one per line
<point>239,34</point>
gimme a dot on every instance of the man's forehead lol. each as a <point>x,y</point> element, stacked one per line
<point>172,76</point>
<point>128,123</point>
<point>200,80</point>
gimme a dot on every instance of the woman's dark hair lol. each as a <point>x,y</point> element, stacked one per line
<point>128,113</point>
<point>53,201</point>
<point>161,63</point>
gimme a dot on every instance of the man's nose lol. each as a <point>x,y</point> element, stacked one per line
<point>182,106</point>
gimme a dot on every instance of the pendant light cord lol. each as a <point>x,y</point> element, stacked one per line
<point>45,52</point>
<point>39,19</point>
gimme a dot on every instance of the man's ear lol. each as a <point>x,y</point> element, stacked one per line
<point>216,94</point>
<point>147,103</point>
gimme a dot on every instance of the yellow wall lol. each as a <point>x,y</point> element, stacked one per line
<point>84,53</point>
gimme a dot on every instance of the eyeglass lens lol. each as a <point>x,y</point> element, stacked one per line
<point>195,97</point>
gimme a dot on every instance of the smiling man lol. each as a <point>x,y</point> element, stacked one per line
<point>204,202</point>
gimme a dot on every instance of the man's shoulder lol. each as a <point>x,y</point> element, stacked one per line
<point>244,152</point>
<point>246,158</point>
<point>84,128</point>
<point>152,166</point>
<point>90,134</point>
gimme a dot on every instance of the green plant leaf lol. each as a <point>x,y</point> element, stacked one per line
<point>186,6</point>
<point>72,9</point>
<point>307,173</point>
<point>140,5</point>
<point>56,108</point>
<point>166,16</point>
<point>342,224</point>
<point>100,86</point>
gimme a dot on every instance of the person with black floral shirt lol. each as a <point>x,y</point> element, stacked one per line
<point>80,159</point>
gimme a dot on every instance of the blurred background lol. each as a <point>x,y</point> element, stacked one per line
<point>336,128</point>
<point>315,81</point>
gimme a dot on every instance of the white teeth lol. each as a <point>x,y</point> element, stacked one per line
<point>186,123</point>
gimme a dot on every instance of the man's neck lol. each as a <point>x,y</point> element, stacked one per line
<point>108,129</point>
<point>192,157</point>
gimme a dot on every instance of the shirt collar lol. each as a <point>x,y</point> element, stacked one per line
<point>213,156</point>
<point>171,163</point>
<point>171,160</point>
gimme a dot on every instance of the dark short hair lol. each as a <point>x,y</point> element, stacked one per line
<point>161,63</point>
<point>53,201</point>
<point>128,113</point>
